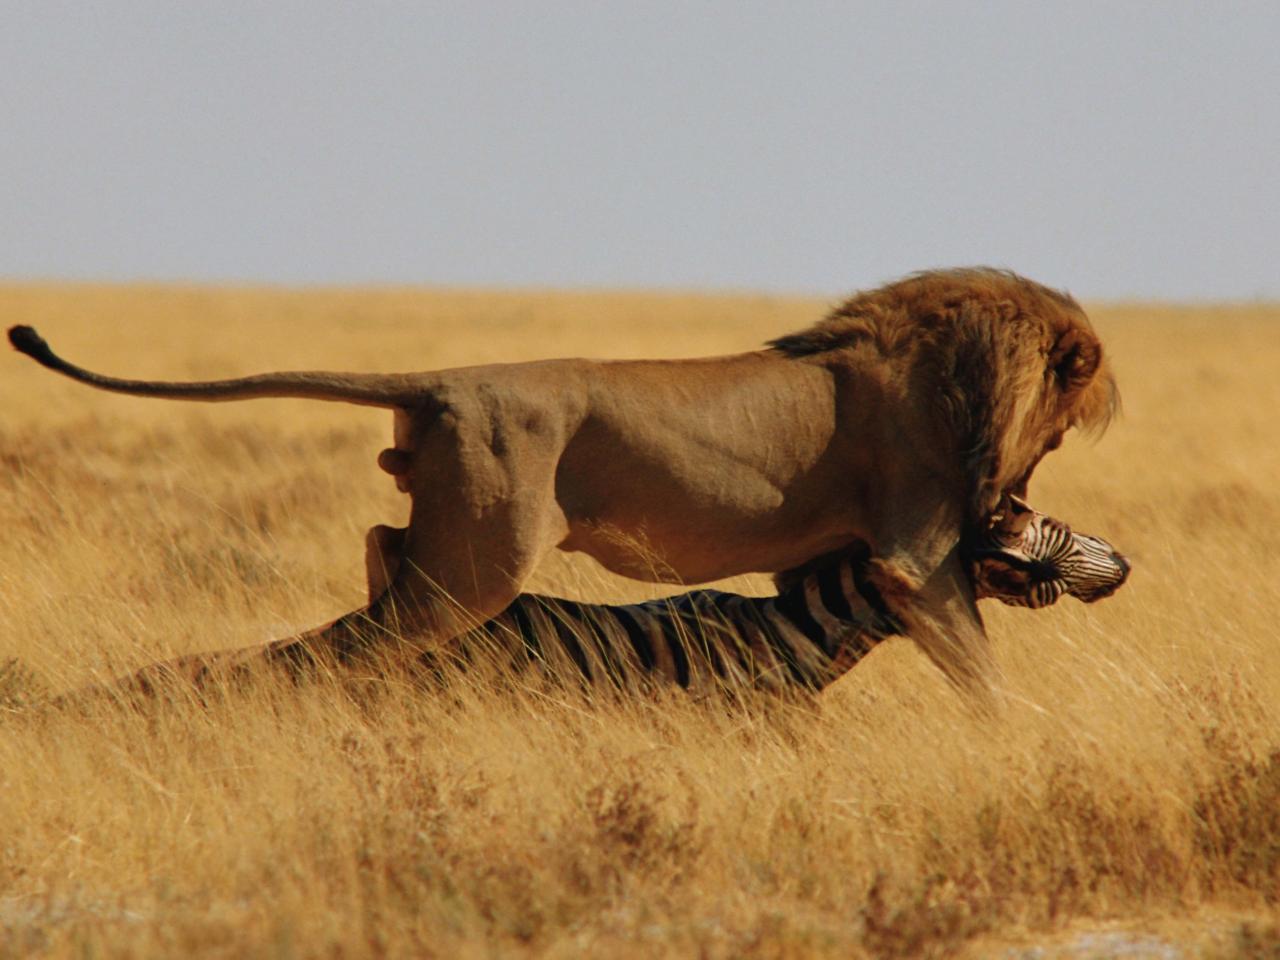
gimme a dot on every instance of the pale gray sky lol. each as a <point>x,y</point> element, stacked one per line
<point>1120,149</point>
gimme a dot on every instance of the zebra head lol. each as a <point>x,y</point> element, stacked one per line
<point>1026,558</point>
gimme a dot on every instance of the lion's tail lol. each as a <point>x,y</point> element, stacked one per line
<point>378,390</point>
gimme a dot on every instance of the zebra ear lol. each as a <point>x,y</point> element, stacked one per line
<point>1011,518</point>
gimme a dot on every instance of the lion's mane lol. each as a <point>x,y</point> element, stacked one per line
<point>1005,364</point>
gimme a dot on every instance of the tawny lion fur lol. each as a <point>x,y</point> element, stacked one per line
<point>901,417</point>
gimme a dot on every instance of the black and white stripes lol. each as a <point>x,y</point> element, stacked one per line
<point>804,638</point>
<point>1030,559</point>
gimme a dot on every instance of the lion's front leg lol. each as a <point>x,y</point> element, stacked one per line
<point>917,568</point>
<point>940,614</point>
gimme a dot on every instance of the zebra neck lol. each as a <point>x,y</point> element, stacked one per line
<point>835,613</point>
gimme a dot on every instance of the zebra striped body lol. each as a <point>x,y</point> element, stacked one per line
<point>804,638</point>
<point>811,633</point>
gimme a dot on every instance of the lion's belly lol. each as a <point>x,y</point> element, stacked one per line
<point>697,470</point>
<point>698,554</point>
<point>650,515</point>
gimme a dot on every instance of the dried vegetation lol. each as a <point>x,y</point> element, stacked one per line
<point>1134,776</point>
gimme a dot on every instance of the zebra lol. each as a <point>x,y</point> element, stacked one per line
<point>808,635</point>
<point>813,631</point>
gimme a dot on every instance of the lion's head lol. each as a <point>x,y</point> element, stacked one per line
<point>1002,366</point>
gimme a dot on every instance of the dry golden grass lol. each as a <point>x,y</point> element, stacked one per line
<point>1135,778</point>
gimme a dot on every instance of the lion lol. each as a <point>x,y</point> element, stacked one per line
<point>899,420</point>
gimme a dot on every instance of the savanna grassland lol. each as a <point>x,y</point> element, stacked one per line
<point>1130,790</point>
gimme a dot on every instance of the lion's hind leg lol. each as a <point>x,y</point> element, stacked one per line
<point>483,515</point>
<point>383,552</point>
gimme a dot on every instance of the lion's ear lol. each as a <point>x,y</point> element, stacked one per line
<point>1075,359</point>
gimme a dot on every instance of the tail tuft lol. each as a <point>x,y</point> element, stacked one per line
<point>26,340</point>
